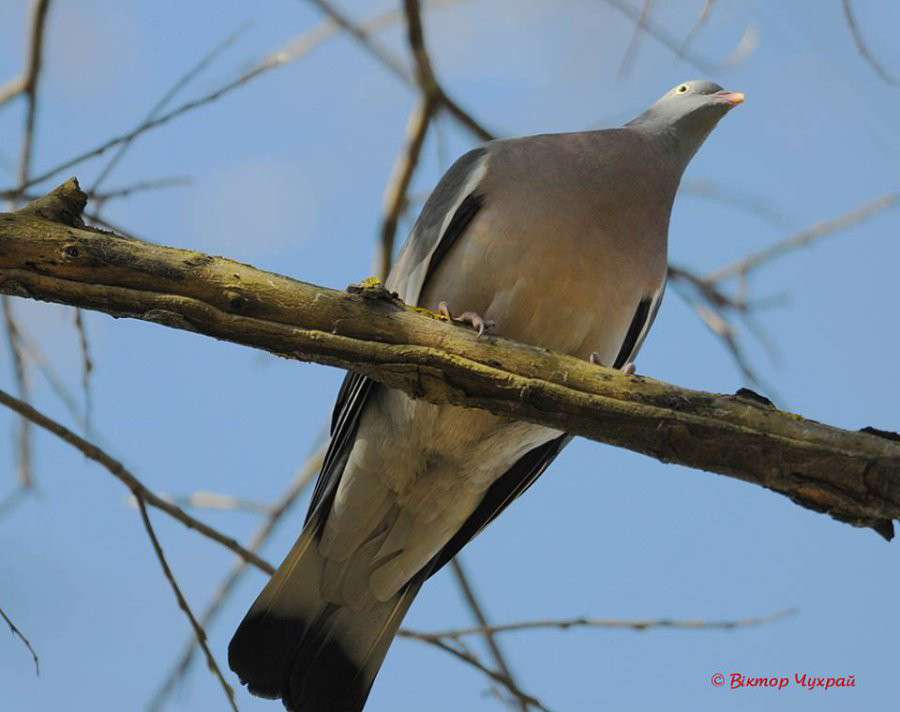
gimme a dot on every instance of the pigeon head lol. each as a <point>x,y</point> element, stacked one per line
<point>687,113</point>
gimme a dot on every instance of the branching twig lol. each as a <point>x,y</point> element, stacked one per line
<point>465,586</point>
<point>167,97</point>
<point>31,81</point>
<point>763,208</point>
<point>18,633</point>
<point>284,504</point>
<point>14,340</point>
<point>87,367</point>
<point>118,470</point>
<point>470,659</point>
<point>803,238</point>
<point>639,29</point>
<point>701,21</point>
<point>183,604</point>
<point>462,116</point>
<point>293,51</point>
<point>395,196</point>
<point>863,47</point>
<point>608,623</point>
<point>661,36</point>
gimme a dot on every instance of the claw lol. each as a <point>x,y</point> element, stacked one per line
<point>628,369</point>
<point>476,321</point>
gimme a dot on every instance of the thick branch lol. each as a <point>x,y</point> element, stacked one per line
<point>854,476</point>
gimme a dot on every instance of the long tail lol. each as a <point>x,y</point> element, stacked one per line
<point>315,655</point>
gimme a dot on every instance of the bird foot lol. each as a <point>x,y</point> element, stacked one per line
<point>628,369</point>
<point>481,325</point>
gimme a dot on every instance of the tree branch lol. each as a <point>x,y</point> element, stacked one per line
<point>854,476</point>
<point>118,470</point>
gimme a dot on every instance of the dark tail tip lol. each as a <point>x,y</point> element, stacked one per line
<point>278,656</point>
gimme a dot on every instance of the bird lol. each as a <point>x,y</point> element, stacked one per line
<point>555,240</point>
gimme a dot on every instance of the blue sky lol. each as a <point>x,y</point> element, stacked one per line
<point>288,174</point>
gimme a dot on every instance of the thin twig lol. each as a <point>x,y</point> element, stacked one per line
<point>29,89</point>
<point>661,36</point>
<point>139,187</point>
<point>396,194</point>
<point>609,623</point>
<point>639,29</point>
<point>118,470</point>
<point>183,604</point>
<point>863,47</point>
<point>11,89</point>
<point>104,196</point>
<point>762,207</point>
<point>87,366</point>
<point>701,21</point>
<point>18,633</point>
<point>293,51</point>
<point>32,79</point>
<point>217,501</point>
<point>470,659</point>
<point>477,610</point>
<point>284,504</point>
<point>168,96</point>
<point>37,358</point>
<point>462,116</point>
<point>20,372</point>
<point>711,308</point>
<point>804,238</point>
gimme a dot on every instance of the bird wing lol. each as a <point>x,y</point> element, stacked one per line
<point>444,218</point>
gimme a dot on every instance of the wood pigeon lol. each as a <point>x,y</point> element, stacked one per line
<point>560,241</point>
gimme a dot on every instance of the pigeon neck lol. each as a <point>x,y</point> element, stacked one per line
<point>679,139</point>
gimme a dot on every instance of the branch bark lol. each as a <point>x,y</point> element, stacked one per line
<point>45,254</point>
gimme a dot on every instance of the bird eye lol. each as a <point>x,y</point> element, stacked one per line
<point>682,89</point>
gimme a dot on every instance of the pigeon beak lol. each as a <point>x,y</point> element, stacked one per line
<point>732,98</point>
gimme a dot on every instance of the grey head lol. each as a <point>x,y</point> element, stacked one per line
<point>685,115</point>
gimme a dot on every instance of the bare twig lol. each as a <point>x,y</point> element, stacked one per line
<point>217,501</point>
<point>396,194</point>
<point>37,358</point>
<point>11,89</point>
<point>18,633</point>
<point>28,88</point>
<point>183,604</point>
<point>701,21</point>
<point>87,366</point>
<point>762,207</point>
<point>660,35</point>
<point>31,81</point>
<point>470,659</point>
<point>167,97</point>
<point>465,586</point>
<point>14,344</point>
<point>863,47</point>
<point>804,238</point>
<point>462,116</point>
<point>639,29</point>
<point>118,470</point>
<point>284,504</point>
<point>293,51</point>
<point>608,623</point>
